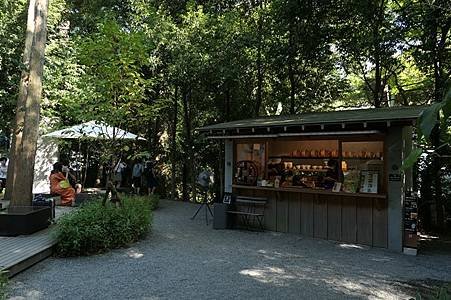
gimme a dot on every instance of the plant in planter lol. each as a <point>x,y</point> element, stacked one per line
<point>20,220</point>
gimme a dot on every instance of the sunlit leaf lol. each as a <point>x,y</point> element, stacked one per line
<point>411,159</point>
<point>429,119</point>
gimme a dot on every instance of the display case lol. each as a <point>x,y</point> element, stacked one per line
<point>356,165</point>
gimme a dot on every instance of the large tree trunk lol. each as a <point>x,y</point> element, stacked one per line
<point>16,141</point>
<point>174,146</point>
<point>23,149</point>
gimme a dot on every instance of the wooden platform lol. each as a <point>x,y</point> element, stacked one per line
<point>21,252</point>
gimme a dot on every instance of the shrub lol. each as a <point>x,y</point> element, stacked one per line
<point>93,229</point>
<point>3,285</point>
<point>154,201</point>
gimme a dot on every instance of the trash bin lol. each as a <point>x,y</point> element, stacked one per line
<point>220,220</point>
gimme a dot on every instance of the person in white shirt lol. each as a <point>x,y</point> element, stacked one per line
<point>3,173</point>
<point>118,170</point>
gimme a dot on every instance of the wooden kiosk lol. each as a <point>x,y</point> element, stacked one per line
<point>330,175</point>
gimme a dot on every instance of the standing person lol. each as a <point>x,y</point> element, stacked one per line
<point>3,172</point>
<point>151,179</point>
<point>137,173</point>
<point>118,172</point>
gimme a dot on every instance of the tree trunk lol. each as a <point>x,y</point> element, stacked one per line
<point>378,72</point>
<point>292,90</point>
<point>16,140</point>
<point>259,63</point>
<point>188,163</point>
<point>227,105</point>
<point>25,137</point>
<point>187,145</point>
<point>174,146</point>
<point>435,136</point>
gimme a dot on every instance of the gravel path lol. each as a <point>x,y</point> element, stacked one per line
<point>184,259</point>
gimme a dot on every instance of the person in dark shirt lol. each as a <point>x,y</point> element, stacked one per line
<point>332,174</point>
<point>151,178</point>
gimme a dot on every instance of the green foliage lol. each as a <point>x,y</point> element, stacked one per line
<point>13,16</point>
<point>154,201</point>
<point>3,285</point>
<point>442,293</point>
<point>130,63</point>
<point>435,115</point>
<point>95,229</point>
<point>412,158</point>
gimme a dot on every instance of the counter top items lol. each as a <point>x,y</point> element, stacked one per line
<point>246,172</point>
<point>294,189</point>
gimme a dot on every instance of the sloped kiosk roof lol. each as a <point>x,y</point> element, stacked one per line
<point>358,120</point>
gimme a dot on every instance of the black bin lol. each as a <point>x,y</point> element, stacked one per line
<point>220,220</point>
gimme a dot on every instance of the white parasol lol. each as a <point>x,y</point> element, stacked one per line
<point>93,130</point>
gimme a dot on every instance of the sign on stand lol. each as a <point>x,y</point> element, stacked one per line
<point>410,224</point>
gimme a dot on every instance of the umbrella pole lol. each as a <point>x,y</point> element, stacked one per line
<point>86,166</point>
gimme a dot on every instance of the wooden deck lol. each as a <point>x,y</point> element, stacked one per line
<point>21,252</point>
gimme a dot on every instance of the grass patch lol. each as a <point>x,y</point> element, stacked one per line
<point>3,285</point>
<point>94,229</point>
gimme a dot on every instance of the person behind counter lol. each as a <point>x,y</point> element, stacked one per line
<point>332,174</point>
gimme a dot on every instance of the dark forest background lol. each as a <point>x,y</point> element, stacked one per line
<point>163,68</point>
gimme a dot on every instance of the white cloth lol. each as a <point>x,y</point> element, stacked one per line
<point>3,171</point>
<point>119,167</point>
<point>138,170</point>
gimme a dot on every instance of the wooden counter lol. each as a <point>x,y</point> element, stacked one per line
<point>348,217</point>
<point>309,191</point>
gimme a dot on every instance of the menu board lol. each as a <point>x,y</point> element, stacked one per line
<point>369,181</point>
<point>410,221</point>
<point>410,214</point>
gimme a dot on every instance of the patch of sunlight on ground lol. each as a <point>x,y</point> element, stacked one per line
<point>371,289</point>
<point>134,254</point>
<point>350,246</point>
<point>30,295</point>
<point>273,275</point>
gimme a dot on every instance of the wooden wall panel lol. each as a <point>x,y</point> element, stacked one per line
<point>365,221</point>
<point>351,219</point>
<point>348,220</point>
<point>270,213</point>
<point>307,214</point>
<point>282,211</point>
<point>380,229</point>
<point>334,218</point>
<point>294,213</point>
<point>320,216</point>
